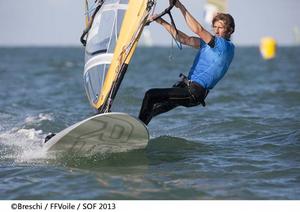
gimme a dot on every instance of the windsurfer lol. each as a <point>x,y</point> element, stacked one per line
<point>212,61</point>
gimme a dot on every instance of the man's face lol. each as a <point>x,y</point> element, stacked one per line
<point>219,28</point>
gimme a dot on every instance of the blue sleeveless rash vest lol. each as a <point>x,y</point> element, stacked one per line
<point>211,64</point>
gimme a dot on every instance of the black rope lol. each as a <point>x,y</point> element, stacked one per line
<point>168,11</point>
<point>178,43</point>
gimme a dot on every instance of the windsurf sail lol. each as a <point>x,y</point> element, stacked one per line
<point>112,31</point>
<point>212,7</point>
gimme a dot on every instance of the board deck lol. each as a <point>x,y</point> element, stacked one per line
<point>103,133</point>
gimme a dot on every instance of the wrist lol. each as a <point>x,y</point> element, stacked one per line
<point>159,21</point>
<point>179,5</point>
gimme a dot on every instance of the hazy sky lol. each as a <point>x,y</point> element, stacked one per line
<point>60,22</point>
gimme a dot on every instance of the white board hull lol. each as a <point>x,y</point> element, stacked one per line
<point>103,133</point>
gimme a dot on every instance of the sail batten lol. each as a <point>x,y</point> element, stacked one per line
<point>98,60</point>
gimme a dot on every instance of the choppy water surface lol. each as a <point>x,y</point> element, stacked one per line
<point>244,145</point>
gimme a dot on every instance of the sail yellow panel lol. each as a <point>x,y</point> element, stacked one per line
<point>131,29</point>
<point>87,17</point>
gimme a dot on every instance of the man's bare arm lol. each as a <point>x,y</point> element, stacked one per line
<point>193,24</point>
<point>178,35</point>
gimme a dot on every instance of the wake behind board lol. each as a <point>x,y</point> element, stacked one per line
<point>103,133</point>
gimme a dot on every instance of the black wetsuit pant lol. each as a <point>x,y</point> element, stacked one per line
<point>160,100</point>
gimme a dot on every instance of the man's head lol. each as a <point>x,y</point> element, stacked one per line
<point>223,25</point>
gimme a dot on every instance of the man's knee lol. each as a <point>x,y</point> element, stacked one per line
<point>149,93</point>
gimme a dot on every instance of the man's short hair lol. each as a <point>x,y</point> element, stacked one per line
<point>228,21</point>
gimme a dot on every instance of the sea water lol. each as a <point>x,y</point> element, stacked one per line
<point>245,144</point>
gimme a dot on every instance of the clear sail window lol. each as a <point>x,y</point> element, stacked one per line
<point>101,35</point>
<point>94,80</point>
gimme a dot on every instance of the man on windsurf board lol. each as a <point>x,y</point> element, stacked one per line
<point>212,61</point>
